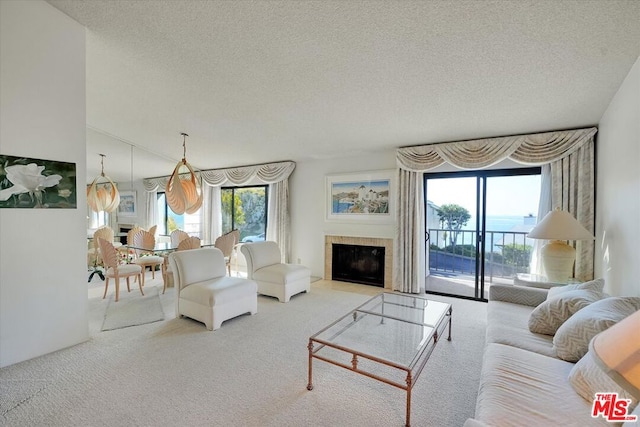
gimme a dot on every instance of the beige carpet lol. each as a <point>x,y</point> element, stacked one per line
<point>251,372</point>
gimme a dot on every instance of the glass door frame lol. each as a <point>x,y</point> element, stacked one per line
<point>481,176</point>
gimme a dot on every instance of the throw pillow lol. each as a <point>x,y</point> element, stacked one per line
<point>588,378</point>
<point>571,340</point>
<point>593,285</point>
<point>551,314</point>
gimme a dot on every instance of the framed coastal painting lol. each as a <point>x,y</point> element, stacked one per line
<point>362,197</point>
<point>127,206</point>
<point>30,183</point>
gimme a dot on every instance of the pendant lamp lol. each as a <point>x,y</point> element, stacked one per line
<point>106,197</point>
<point>184,189</point>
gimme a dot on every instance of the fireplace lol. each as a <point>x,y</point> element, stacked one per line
<point>384,252</point>
<point>358,264</point>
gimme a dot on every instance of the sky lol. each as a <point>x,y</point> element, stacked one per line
<point>506,195</point>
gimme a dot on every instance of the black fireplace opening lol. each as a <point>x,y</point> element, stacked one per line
<point>358,264</point>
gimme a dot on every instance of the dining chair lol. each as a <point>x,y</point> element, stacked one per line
<point>115,270</point>
<point>192,242</point>
<point>143,245</point>
<point>153,229</point>
<point>227,243</point>
<point>177,236</point>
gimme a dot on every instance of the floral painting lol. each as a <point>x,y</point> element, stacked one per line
<point>37,183</point>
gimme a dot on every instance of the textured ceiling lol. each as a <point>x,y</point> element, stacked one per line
<point>259,81</point>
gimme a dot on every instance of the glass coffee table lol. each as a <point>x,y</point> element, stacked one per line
<point>388,338</point>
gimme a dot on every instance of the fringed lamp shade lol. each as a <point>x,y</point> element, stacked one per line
<point>103,196</point>
<point>184,189</point>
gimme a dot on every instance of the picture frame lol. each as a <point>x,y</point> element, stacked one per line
<point>30,183</point>
<point>128,204</point>
<point>367,197</point>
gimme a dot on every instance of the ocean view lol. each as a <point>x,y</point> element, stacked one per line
<point>500,230</point>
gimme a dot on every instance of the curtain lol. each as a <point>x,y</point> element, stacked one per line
<point>151,201</point>
<point>278,217</point>
<point>211,218</point>
<point>408,251</point>
<point>572,190</point>
<point>544,207</point>
<point>531,149</point>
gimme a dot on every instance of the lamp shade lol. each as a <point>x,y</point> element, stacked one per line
<point>618,351</point>
<point>560,225</point>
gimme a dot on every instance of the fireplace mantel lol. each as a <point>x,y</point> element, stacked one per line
<point>329,240</point>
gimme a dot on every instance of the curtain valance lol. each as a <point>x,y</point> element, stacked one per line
<point>532,149</point>
<point>269,173</point>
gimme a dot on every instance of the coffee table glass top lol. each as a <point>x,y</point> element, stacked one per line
<point>393,327</point>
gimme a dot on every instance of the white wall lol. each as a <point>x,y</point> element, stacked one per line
<point>307,195</point>
<point>43,303</point>
<point>618,190</point>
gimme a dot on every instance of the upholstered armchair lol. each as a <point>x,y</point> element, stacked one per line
<point>273,277</point>
<point>205,293</point>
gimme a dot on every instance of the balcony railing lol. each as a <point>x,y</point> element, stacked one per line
<point>506,252</point>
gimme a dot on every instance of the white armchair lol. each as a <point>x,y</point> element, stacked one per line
<point>274,278</point>
<point>204,291</point>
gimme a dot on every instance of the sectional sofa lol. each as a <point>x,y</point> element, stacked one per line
<point>524,381</point>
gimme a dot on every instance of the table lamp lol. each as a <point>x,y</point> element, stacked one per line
<point>557,256</point>
<point>618,351</point>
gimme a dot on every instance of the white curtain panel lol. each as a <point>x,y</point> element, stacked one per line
<point>544,207</point>
<point>278,217</point>
<point>151,201</point>
<point>408,249</point>
<point>532,149</point>
<point>211,217</point>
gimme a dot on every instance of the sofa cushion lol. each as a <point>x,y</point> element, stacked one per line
<point>218,291</point>
<point>282,273</point>
<point>571,341</point>
<point>522,388</point>
<point>551,314</point>
<point>507,323</point>
<point>592,285</point>
<point>588,378</point>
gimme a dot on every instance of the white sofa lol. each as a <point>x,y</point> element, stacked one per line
<point>523,382</point>
<point>205,293</point>
<point>274,278</point>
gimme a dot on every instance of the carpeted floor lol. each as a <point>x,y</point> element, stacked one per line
<point>251,372</point>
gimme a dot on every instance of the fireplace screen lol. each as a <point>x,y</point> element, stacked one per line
<point>358,264</point>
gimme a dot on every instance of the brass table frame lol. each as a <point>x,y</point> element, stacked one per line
<point>412,370</point>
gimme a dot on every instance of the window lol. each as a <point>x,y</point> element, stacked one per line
<point>245,209</point>
<point>98,219</point>
<point>168,221</point>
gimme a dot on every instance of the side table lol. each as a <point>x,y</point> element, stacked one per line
<point>538,281</point>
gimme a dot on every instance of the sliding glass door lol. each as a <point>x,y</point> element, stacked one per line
<point>476,226</point>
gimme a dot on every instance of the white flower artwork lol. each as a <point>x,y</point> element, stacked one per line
<point>35,183</point>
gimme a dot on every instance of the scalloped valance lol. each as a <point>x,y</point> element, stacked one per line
<point>532,149</point>
<point>269,173</point>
